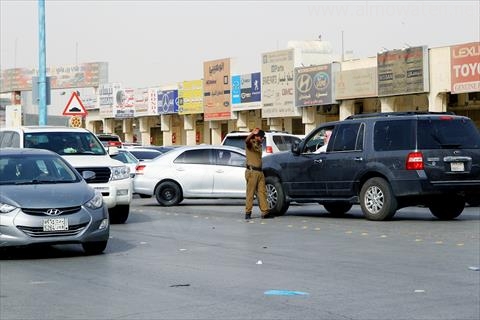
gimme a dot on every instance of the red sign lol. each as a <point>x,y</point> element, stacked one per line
<point>75,106</point>
<point>465,67</point>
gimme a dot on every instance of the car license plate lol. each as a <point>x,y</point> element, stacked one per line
<point>55,224</point>
<point>457,166</point>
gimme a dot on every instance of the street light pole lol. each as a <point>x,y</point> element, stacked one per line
<point>42,75</point>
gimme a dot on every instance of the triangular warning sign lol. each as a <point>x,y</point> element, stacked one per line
<point>75,106</point>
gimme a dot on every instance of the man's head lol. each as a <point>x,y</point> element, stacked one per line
<point>327,135</point>
<point>260,134</point>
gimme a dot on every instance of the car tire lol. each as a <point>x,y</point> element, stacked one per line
<point>95,247</point>
<point>377,200</point>
<point>277,203</point>
<point>447,208</point>
<point>337,208</point>
<point>119,213</point>
<point>168,194</point>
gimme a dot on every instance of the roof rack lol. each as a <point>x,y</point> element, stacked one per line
<point>395,114</point>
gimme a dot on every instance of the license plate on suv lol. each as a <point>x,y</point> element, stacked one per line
<point>55,224</point>
<point>457,166</point>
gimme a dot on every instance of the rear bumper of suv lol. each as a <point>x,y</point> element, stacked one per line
<point>403,188</point>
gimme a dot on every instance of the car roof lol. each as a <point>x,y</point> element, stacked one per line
<point>27,152</point>
<point>48,128</point>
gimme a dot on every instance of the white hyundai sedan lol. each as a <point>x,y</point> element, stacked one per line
<point>202,171</point>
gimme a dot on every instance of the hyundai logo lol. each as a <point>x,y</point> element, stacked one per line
<point>53,212</point>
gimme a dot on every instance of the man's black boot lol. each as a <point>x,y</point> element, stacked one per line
<point>248,216</point>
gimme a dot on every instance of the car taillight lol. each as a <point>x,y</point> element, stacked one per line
<point>139,169</point>
<point>415,161</point>
<point>269,149</point>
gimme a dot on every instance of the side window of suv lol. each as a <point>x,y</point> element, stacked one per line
<point>394,135</point>
<point>345,138</point>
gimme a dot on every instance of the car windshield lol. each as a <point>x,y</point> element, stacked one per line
<point>18,169</point>
<point>65,143</point>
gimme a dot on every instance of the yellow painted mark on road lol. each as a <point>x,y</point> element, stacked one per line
<point>364,233</point>
<point>317,229</point>
<point>418,240</point>
<point>438,242</point>
<point>195,216</point>
<point>348,232</point>
<point>305,227</point>
<point>290,226</point>
<point>460,244</point>
<point>383,236</point>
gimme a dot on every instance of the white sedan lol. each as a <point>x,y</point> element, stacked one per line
<point>202,171</point>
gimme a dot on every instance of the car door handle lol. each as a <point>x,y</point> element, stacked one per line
<point>358,159</point>
<point>318,161</point>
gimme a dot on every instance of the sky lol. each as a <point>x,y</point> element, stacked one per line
<point>152,43</point>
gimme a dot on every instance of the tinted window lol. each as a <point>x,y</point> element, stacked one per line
<point>284,143</point>
<point>233,141</point>
<point>201,156</point>
<point>345,138</point>
<point>394,135</point>
<point>64,142</point>
<point>229,158</point>
<point>447,132</point>
<point>145,154</point>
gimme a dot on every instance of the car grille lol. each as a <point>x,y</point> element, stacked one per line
<point>102,174</point>
<point>38,231</point>
<point>42,212</point>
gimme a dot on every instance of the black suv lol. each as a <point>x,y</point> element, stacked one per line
<point>384,161</point>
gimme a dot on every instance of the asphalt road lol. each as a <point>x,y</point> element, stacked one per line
<point>201,260</point>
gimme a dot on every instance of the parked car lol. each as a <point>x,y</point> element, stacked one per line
<point>82,149</point>
<point>44,200</point>
<point>128,158</point>
<point>275,141</point>
<point>110,140</point>
<point>201,171</point>
<point>162,149</point>
<point>383,161</point>
<point>143,154</point>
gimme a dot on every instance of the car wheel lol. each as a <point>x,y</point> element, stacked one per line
<point>168,194</point>
<point>447,208</point>
<point>337,208</point>
<point>277,203</point>
<point>119,213</point>
<point>95,247</point>
<point>377,200</point>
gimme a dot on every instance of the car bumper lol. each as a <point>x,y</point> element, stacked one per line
<point>20,229</point>
<point>118,192</point>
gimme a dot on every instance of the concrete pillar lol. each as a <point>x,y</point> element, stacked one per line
<point>165,120</point>
<point>216,132</point>
<point>242,120</point>
<point>276,124</point>
<point>347,108</point>
<point>309,118</point>
<point>128,129</point>
<point>108,126</point>
<point>189,126</point>
<point>387,104</point>
<point>144,128</point>
<point>437,101</point>
<point>288,125</point>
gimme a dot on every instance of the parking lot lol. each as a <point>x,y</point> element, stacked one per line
<point>201,260</point>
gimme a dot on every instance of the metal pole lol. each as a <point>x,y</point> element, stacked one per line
<point>42,75</point>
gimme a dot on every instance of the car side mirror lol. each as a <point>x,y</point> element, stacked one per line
<point>295,148</point>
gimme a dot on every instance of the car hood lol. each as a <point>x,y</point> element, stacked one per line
<point>277,158</point>
<point>46,195</point>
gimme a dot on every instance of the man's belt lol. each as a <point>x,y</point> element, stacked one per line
<point>249,167</point>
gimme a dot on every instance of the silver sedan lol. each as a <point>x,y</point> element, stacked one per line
<point>203,171</point>
<point>44,200</point>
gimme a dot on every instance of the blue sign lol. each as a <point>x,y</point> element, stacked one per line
<point>236,90</point>
<point>256,87</point>
<point>167,101</point>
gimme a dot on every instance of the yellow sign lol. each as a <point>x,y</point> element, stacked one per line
<point>75,122</point>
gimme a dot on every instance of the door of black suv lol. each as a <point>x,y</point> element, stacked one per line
<point>344,159</point>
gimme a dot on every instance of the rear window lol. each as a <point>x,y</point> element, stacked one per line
<point>446,133</point>
<point>239,142</point>
<point>284,143</point>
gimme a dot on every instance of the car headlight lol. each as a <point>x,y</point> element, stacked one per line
<point>6,208</point>
<point>96,202</point>
<point>121,172</point>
